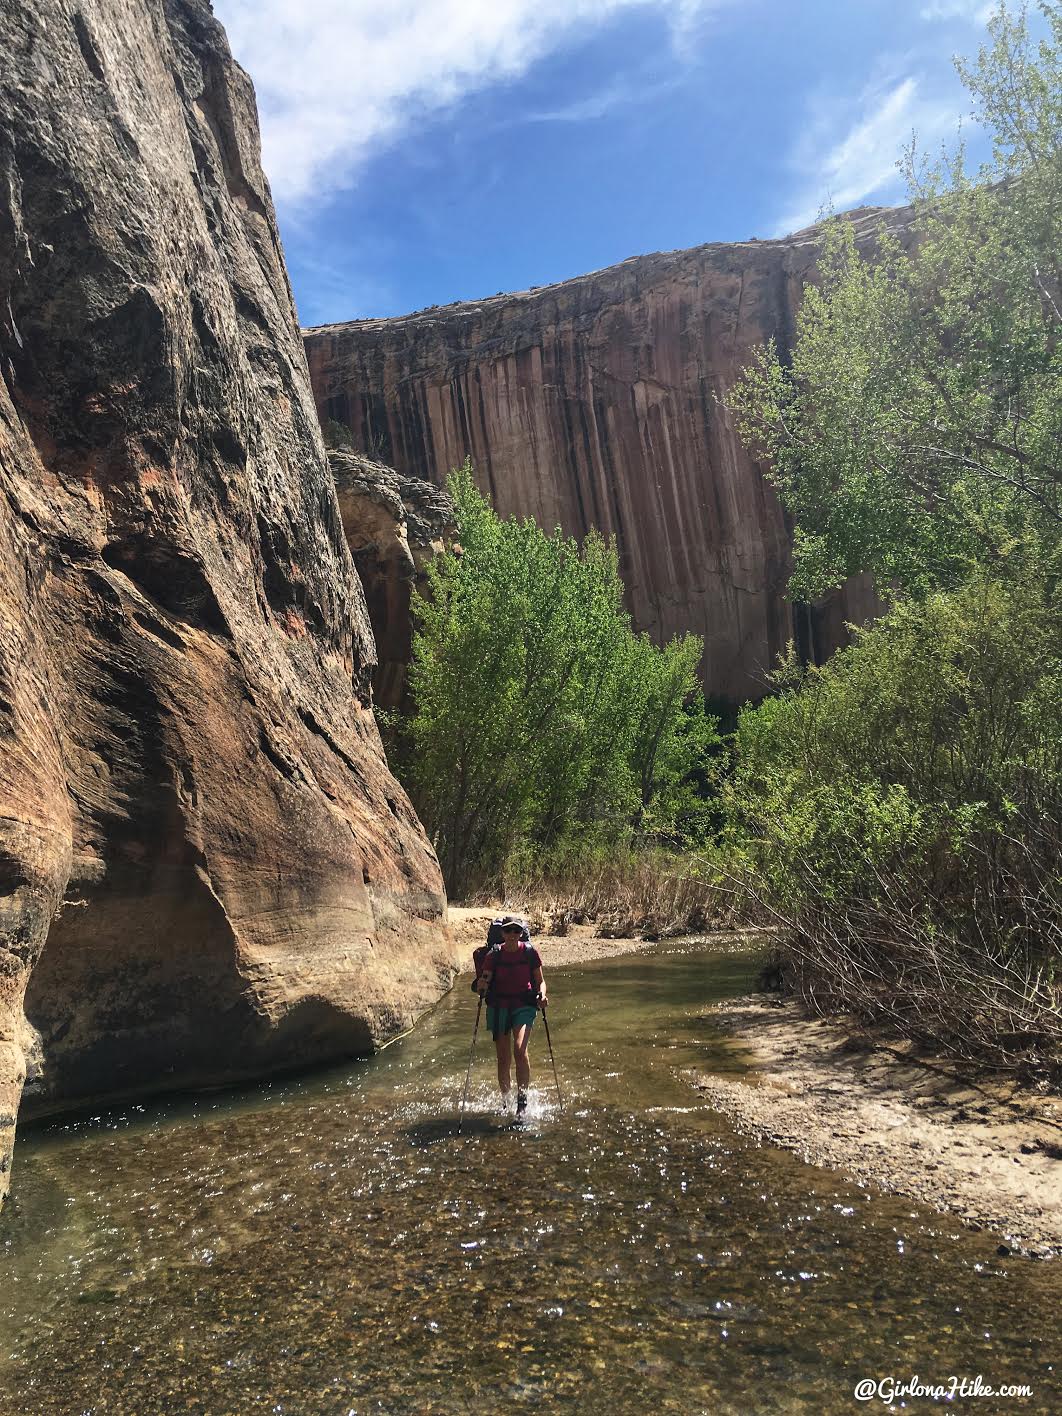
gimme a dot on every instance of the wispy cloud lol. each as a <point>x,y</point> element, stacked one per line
<point>337,79</point>
<point>342,282</point>
<point>861,164</point>
<point>976,11</point>
<point>621,93</point>
<point>586,109</point>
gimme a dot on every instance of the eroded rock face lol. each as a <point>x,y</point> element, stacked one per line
<point>206,870</point>
<point>394,525</point>
<point>595,403</point>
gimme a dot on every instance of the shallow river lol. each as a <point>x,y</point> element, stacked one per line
<point>334,1245</point>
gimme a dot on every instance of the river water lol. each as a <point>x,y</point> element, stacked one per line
<point>334,1245</point>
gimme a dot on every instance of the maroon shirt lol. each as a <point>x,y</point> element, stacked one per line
<point>511,976</point>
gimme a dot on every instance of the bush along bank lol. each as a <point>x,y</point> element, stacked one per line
<point>644,894</point>
<point>544,729</point>
<point>897,812</point>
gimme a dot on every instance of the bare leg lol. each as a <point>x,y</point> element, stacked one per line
<point>521,1037</point>
<point>504,1058</point>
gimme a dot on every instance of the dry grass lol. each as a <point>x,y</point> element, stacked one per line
<point>975,974</point>
<point>650,896</point>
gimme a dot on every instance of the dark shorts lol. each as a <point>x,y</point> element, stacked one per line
<point>504,1020</point>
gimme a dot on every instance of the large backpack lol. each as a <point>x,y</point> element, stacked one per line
<point>513,975</point>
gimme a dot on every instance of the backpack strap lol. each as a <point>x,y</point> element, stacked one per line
<point>491,950</point>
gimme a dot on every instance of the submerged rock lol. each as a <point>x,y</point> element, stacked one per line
<point>206,870</point>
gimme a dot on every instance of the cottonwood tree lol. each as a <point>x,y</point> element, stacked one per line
<point>542,722</point>
<point>916,429</point>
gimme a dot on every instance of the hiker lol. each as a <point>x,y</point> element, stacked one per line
<point>511,979</point>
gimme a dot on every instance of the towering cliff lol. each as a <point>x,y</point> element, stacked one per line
<point>206,870</point>
<point>595,403</point>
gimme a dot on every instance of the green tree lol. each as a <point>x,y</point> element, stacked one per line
<point>672,739</point>
<point>899,809</point>
<point>542,723</point>
<point>916,430</point>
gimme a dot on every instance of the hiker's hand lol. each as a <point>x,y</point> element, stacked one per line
<point>542,1000</point>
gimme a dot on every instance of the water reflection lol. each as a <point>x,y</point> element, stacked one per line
<point>338,1244</point>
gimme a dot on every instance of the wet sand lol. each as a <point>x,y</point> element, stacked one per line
<point>983,1148</point>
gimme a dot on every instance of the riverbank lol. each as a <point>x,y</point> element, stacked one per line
<point>580,944</point>
<point>982,1148</point>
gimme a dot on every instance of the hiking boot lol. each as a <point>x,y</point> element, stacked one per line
<point>521,1102</point>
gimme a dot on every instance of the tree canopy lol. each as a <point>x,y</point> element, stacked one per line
<point>899,808</point>
<point>915,428</point>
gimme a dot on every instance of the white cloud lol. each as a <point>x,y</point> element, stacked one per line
<point>621,93</point>
<point>336,79</point>
<point>862,164</point>
<point>976,11</point>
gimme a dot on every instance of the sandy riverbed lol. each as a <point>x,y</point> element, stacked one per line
<point>984,1149</point>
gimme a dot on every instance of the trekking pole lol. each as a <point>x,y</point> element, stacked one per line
<point>549,1044</point>
<point>468,1074</point>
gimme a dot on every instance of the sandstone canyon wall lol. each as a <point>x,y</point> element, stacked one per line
<point>206,870</point>
<point>394,525</point>
<point>594,403</point>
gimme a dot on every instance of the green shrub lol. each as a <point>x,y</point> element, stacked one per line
<point>900,810</point>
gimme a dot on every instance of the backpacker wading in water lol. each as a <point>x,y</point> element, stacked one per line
<point>509,977</point>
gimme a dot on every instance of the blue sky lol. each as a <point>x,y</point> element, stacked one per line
<point>423,151</point>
